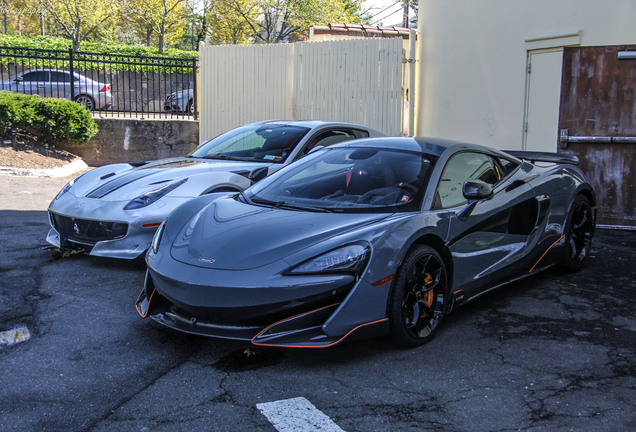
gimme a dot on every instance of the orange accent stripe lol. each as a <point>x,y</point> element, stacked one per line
<point>149,300</point>
<point>315,346</point>
<point>152,225</point>
<point>546,251</point>
<point>383,281</point>
<point>296,316</point>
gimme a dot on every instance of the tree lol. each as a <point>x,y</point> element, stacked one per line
<point>165,19</point>
<point>22,16</point>
<point>274,21</point>
<point>356,13</point>
<point>81,19</point>
<point>229,21</point>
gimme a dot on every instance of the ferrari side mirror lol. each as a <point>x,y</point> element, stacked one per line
<point>258,174</point>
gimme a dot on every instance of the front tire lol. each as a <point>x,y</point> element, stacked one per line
<point>419,297</point>
<point>579,228</point>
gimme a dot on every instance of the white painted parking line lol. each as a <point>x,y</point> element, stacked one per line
<point>297,414</point>
<point>15,335</point>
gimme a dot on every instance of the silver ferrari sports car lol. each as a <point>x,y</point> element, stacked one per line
<point>114,210</point>
<point>370,237</point>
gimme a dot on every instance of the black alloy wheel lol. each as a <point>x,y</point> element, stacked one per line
<point>419,297</point>
<point>579,229</point>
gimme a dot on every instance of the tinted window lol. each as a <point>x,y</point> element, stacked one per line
<point>508,166</point>
<point>62,77</point>
<point>327,138</point>
<point>38,76</point>
<point>462,167</point>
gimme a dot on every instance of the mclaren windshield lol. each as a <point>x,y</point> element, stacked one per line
<point>258,143</point>
<point>347,179</point>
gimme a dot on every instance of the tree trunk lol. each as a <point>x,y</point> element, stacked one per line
<point>42,17</point>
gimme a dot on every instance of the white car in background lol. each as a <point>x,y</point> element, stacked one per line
<point>94,95</point>
<point>114,210</point>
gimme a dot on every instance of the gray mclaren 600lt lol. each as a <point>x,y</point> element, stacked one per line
<point>366,238</point>
<point>114,210</point>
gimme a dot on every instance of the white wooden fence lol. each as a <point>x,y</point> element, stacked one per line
<point>356,80</point>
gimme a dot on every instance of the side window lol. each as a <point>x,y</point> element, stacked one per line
<point>330,137</point>
<point>60,77</point>
<point>462,167</point>
<point>507,165</point>
<point>37,76</point>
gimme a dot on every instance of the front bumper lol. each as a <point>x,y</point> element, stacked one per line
<point>74,223</point>
<point>272,310</point>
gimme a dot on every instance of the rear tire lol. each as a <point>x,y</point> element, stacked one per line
<point>85,100</point>
<point>579,229</point>
<point>419,297</point>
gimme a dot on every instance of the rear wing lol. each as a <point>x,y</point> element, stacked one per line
<point>563,158</point>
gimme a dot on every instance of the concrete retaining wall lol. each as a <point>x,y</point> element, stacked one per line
<point>134,140</point>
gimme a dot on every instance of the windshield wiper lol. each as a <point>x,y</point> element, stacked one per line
<point>222,157</point>
<point>284,205</point>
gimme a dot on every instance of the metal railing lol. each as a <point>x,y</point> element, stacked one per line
<point>108,84</point>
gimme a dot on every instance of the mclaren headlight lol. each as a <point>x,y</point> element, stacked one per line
<point>152,196</point>
<point>350,258</point>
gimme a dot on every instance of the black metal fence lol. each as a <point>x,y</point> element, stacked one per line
<point>107,84</point>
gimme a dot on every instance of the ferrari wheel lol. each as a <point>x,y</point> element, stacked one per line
<point>579,229</point>
<point>418,297</point>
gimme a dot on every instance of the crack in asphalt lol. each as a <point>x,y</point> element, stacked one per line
<point>112,410</point>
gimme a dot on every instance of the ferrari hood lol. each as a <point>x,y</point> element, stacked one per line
<point>230,235</point>
<point>118,184</point>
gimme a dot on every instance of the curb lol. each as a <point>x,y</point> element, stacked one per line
<point>63,171</point>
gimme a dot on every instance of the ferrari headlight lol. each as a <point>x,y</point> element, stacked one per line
<point>152,196</point>
<point>67,187</point>
<point>349,258</point>
<point>156,240</point>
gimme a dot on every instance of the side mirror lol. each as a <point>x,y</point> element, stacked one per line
<point>258,174</point>
<point>476,190</point>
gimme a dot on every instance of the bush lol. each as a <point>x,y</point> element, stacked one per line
<point>50,119</point>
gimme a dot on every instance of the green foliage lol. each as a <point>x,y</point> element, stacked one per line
<point>50,119</point>
<point>140,63</point>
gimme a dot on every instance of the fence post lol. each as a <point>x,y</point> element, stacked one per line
<point>70,56</point>
<point>195,102</point>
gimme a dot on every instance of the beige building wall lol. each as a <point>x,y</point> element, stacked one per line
<point>474,55</point>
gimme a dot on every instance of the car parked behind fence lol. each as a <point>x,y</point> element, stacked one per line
<point>94,95</point>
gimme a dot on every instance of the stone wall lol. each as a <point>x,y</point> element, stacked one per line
<point>134,140</point>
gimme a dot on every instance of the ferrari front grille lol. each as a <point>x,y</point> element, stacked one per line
<point>88,231</point>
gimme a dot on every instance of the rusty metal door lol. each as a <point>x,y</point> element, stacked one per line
<point>597,122</point>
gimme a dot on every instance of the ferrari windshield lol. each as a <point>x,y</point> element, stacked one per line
<point>347,179</point>
<point>259,143</point>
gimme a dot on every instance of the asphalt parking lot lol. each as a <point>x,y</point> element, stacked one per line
<point>553,352</point>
